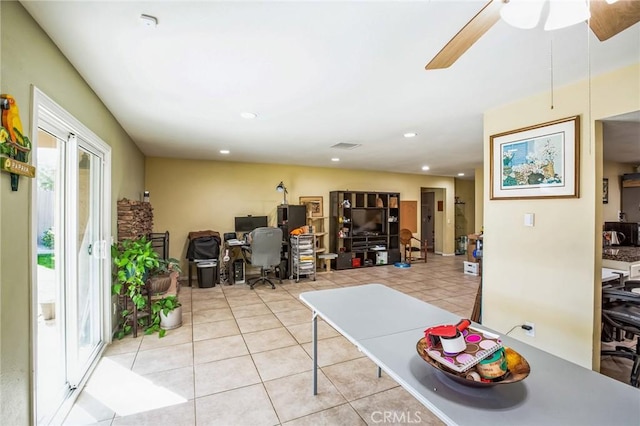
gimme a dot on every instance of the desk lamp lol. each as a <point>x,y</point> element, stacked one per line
<point>283,189</point>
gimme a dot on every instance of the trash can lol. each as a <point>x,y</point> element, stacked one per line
<point>206,273</point>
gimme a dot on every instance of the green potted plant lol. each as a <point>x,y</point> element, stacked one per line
<point>166,314</point>
<point>132,260</point>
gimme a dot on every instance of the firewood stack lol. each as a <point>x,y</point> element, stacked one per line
<point>135,218</point>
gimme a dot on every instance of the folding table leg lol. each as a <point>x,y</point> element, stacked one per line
<point>314,333</point>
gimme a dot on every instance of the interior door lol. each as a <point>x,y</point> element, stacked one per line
<point>427,217</point>
<point>409,215</point>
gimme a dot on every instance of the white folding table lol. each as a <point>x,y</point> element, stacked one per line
<point>609,274</point>
<point>386,325</point>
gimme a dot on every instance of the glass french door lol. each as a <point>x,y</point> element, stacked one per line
<point>71,273</point>
<point>84,303</point>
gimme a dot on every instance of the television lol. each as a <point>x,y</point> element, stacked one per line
<point>249,223</point>
<point>368,222</point>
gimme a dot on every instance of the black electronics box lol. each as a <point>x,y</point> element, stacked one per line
<point>238,271</point>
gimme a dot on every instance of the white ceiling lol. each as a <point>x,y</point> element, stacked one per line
<point>621,135</point>
<point>317,74</point>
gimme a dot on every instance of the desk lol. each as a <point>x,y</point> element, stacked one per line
<point>386,324</point>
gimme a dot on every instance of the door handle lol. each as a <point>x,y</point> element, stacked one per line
<point>98,249</point>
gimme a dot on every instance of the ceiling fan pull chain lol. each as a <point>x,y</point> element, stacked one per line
<point>551,67</point>
<point>589,78</point>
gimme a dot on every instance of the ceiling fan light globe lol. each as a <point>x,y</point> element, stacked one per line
<point>524,14</point>
<point>566,13</point>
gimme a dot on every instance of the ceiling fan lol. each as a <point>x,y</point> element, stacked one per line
<point>608,18</point>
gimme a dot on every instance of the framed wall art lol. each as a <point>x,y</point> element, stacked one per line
<point>541,161</point>
<point>605,191</point>
<point>314,205</point>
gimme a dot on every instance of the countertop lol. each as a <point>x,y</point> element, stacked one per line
<point>622,253</point>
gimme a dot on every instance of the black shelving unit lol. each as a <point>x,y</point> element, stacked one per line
<point>289,217</point>
<point>160,243</point>
<point>364,228</point>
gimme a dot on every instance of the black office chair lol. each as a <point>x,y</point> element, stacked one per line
<point>621,319</point>
<point>265,249</point>
<point>632,286</point>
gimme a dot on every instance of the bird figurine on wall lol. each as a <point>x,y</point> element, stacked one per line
<point>14,144</point>
<point>11,119</point>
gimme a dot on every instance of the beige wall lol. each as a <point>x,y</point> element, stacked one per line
<point>614,171</point>
<point>30,58</point>
<point>465,190</point>
<point>189,195</point>
<point>550,274</point>
<point>479,196</point>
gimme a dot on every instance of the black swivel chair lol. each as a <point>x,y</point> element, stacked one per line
<point>621,319</point>
<point>265,249</point>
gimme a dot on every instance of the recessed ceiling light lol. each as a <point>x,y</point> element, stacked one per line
<point>335,159</point>
<point>425,168</point>
<point>460,174</point>
<point>410,135</point>
<point>149,21</point>
<point>248,115</point>
<point>224,151</point>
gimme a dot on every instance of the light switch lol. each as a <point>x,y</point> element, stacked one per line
<point>529,219</point>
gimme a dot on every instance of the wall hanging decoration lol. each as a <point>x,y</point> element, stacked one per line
<point>314,205</point>
<point>540,161</point>
<point>15,147</point>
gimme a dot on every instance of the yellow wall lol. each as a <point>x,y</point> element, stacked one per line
<point>479,196</point>
<point>550,274</point>
<point>465,190</point>
<point>30,58</point>
<point>190,195</point>
<point>614,171</point>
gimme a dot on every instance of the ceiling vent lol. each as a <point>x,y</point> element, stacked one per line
<point>345,145</point>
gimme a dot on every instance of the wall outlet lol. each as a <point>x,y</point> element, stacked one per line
<point>532,332</point>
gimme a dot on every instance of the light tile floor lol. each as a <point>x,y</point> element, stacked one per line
<point>242,357</point>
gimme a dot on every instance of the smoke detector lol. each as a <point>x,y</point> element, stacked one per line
<point>148,20</point>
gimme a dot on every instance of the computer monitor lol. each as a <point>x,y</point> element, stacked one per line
<point>249,223</point>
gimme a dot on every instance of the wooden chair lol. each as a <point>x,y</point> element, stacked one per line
<point>407,239</point>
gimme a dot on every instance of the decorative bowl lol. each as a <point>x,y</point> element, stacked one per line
<point>159,284</point>
<point>518,368</point>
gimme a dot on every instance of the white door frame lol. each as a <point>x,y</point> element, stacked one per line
<point>45,109</point>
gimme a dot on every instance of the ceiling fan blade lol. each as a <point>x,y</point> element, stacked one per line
<point>469,34</point>
<point>608,20</point>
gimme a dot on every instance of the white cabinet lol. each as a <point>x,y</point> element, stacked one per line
<point>303,256</point>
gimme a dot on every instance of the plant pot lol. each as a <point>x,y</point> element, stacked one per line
<point>48,310</point>
<point>172,320</point>
<point>159,284</point>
